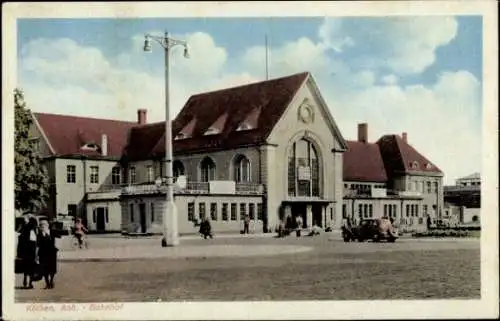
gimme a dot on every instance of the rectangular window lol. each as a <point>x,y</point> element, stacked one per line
<point>191,211</point>
<point>291,176</point>
<point>436,185</point>
<point>251,210</point>
<point>331,214</point>
<point>370,209</point>
<point>360,210</point>
<point>152,212</point>
<point>150,173</point>
<point>243,211</point>
<point>116,175</point>
<point>201,213</point>
<point>132,175</point>
<point>416,210</point>
<point>394,210</point>
<point>426,208</point>
<point>385,210</point>
<point>71,174</point>
<point>225,216</point>
<point>106,211</point>
<point>260,212</point>
<point>365,209</point>
<point>234,212</point>
<point>132,213</point>
<point>94,215</point>
<point>213,211</point>
<point>344,211</point>
<point>407,210</point>
<point>429,187</point>
<point>94,174</point>
<point>72,209</point>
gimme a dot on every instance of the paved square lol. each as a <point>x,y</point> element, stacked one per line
<point>329,270</point>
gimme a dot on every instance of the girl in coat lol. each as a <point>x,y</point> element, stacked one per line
<point>47,253</point>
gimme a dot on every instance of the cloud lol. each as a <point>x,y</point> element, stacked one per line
<point>389,79</point>
<point>439,118</point>
<point>401,44</point>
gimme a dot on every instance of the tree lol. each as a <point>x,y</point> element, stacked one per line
<point>31,178</point>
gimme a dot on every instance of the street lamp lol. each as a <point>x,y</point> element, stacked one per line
<point>170,228</point>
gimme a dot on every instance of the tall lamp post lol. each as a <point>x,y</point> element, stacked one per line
<point>170,228</point>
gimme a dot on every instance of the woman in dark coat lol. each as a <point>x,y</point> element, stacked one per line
<point>47,253</point>
<point>26,250</point>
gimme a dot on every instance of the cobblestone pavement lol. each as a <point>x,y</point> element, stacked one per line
<point>330,270</point>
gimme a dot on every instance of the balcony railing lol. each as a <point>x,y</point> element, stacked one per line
<point>193,188</point>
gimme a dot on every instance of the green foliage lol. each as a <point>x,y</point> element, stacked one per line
<point>31,180</point>
<point>447,233</point>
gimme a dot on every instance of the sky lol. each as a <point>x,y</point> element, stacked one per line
<point>416,74</point>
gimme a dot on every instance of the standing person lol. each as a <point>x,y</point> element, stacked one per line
<point>246,224</point>
<point>47,253</point>
<point>298,220</point>
<point>26,250</point>
<point>80,231</point>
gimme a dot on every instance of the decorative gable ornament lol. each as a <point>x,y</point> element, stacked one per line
<point>306,112</point>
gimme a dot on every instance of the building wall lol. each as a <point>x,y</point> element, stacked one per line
<point>434,198</point>
<point>290,129</point>
<point>154,206</point>
<point>113,219</point>
<point>402,219</point>
<point>224,162</point>
<point>73,193</point>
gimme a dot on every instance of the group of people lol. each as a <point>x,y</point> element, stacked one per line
<point>37,252</point>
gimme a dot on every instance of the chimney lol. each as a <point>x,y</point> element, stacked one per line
<point>104,145</point>
<point>142,116</point>
<point>363,132</point>
<point>405,137</point>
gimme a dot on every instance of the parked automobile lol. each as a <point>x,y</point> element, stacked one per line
<point>370,229</point>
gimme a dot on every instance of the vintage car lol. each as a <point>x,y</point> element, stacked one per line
<point>370,229</point>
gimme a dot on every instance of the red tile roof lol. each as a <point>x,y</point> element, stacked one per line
<point>399,156</point>
<point>67,134</point>
<point>363,162</point>
<point>271,97</point>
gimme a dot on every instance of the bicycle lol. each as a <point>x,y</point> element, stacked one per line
<point>76,244</point>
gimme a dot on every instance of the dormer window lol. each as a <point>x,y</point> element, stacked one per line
<point>180,136</point>
<point>428,166</point>
<point>414,165</point>
<point>212,131</point>
<point>90,146</point>
<point>244,126</point>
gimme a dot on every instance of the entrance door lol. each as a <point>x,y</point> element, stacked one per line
<point>142,214</point>
<point>100,219</point>
<point>317,215</point>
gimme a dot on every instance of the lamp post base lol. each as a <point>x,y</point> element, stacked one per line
<point>170,232</point>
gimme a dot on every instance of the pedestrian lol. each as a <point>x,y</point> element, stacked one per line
<point>298,230</point>
<point>26,250</point>
<point>47,253</point>
<point>246,224</point>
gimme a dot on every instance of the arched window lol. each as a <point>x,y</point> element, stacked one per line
<point>207,170</point>
<point>303,169</point>
<point>178,168</point>
<point>241,169</point>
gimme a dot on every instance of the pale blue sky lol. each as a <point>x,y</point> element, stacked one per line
<point>390,72</point>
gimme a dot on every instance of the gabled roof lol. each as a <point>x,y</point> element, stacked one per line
<point>399,156</point>
<point>363,162</point>
<point>68,134</point>
<point>271,97</point>
<point>471,176</point>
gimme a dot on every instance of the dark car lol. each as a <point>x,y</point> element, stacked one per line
<point>370,229</point>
